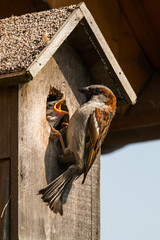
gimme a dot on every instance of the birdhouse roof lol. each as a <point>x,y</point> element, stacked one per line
<point>27,43</point>
<point>23,38</point>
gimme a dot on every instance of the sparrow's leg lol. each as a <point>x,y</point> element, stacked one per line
<point>59,135</point>
<point>64,124</point>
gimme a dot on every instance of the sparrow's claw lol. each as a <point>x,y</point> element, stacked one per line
<point>52,136</point>
<point>58,134</point>
<point>64,124</point>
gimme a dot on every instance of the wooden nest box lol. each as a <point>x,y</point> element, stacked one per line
<point>50,53</point>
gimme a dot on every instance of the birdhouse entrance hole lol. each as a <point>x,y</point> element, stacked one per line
<point>54,94</point>
<point>57,112</point>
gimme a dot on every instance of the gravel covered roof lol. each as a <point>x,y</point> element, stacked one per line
<point>22,38</point>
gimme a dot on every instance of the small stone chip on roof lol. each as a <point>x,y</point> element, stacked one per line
<point>23,38</point>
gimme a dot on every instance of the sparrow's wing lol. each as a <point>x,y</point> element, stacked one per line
<point>97,128</point>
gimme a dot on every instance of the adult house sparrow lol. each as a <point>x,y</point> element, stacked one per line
<point>85,133</point>
<point>54,114</point>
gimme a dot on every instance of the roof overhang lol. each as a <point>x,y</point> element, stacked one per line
<point>82,31</point>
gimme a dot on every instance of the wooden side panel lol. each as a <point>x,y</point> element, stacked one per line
<point>5,126</point>
<point>38,157</point>
<point>14,163</point>
<point>4,197</point>
<point>4,123</point>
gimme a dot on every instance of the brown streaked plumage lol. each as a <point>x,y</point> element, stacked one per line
<point>85,134</point>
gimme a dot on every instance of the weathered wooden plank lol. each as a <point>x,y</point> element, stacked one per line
<point>4,197</point>
<point>4,123</point>
<point>14,162</point>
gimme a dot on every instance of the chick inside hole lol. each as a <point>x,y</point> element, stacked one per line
<point>57,113</point>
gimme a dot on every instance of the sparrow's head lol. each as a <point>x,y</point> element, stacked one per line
<point>100,93</point>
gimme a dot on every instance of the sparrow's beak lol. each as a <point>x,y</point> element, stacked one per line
<point>57,107</point>
<point>84,90</point>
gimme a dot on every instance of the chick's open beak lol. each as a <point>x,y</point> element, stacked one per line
<point>58,107</point>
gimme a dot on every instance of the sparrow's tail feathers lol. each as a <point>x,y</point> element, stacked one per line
<point>53,192</point>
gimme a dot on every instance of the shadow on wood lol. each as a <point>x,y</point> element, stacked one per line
<point>52,167</point>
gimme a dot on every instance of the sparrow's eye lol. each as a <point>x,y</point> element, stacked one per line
<point>49,105</point>
<point>95,91</point>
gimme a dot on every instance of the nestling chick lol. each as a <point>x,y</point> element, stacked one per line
<point>54,114</point>
<point>86,131</point>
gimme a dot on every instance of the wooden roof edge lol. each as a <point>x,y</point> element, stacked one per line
<point>118,72</point>
<point>56,42</point>
<point>15,78</point>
